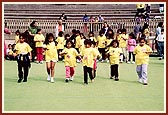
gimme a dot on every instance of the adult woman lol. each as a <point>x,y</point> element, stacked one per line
<point>59,27</point>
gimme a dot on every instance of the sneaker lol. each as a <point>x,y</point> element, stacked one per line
<point>20,80</point>
<point>133,62</point>
<point>140,81</point>
<point>128,62</point>
<point>145,84</point>
<point>37,62</point>
<point>107,61</point>
<point>48,78</point>
<point>116,79</point>
<point>41,62</point>
<point>52,79</point>
<point>25,80</point>
<point>85,83</point>
<point>92,81</point>
<point>66,80</point>
<point>102,61</point>
<point>71,78</point>
<point>160,58</point>
<point>111,77</point>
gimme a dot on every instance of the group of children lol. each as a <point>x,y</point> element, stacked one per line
<point>78,48</point>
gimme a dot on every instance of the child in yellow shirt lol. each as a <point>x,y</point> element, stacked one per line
<point>39,39</point>
<point>51,55</point>
<point>17,33</point>
<point>23,52</point>
<point>88,55</point>
<point>70,55</point>
<point>114,55</point>
<point>142,52</point>
<point>81,44</point>
<point>60,44</point>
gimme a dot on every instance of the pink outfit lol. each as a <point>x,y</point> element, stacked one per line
<point>94,65</point>
<point>131,45</point>
<point>39,51</point>
<point>69,71</point>
<point>4,49</point>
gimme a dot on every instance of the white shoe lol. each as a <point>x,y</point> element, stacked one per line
<point>41,62</point>
<point>128,62</point>
<point>71,78</point>
<point>133,62</point>
<point>37,62</point>
<point>52,79</point>
<point>48,78</point>
<point>78,61</point>
<point>140,81</point>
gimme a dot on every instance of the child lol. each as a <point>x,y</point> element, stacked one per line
<point>9,52</point>
<point>39,39</point>
<point>70,55</point>
<point>122,39</point>
<point>142,52</point>
<point>92,37</point>
<point>160,42</point>
<point>131,47</point>
<point>101,44</point>
<point>95,60</point>
<point>81,44</point>
<point>77,39</point>
<point>88,60</point>
<point>51,55</point>
<point>23,53</point>
<point>60,44</point>
<point>17,33</point>
<point>114,55</point>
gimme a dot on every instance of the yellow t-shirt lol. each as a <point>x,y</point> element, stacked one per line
<point>51,52</point>
<point>70,57</point>
<point>108,41</point>
<point>16,39</point>
<point>22,48</point>
<point>89,55</point>
<point>101,41</point>
<point>146,32</point>
<point>140,56</point>
<point>114,55</point>
<point>122,39</point>
<point>81,45</point>
<point>38,37</point>
<point>60,41</point>
<point>10,52</point>
<point>78,38</point>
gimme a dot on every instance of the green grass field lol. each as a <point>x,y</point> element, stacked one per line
<point>102,95</point>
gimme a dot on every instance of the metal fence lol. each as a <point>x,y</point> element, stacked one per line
<point>49,25</point>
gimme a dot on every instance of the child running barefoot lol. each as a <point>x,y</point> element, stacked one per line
<point>51,55</point>
<point>22,51</point>
<point>142,52</point>
<point>114,56</point>
<point>70,55</point>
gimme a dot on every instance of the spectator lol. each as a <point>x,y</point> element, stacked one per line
<point>105,28</point>
<point>137,30</point>
<point>85,20</point>
<point>92,23</point>
<point>161,8</point>
<point>140,9</point>
<point>101,19</point>
<point>63,17</point>
<point>6,30</point>
<point>59,27</point>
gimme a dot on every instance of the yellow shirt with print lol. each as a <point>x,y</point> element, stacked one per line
<point>78,38</point>
<point>122,39</point>
<point>39,38</point>
<point>70,57</point>
<point>141,57</point>
<point>81,45</point>
<point>22,48</point>
<point>16,39</point>
<point>114,55</point>
<point>60,41</point>
<point>101,41</point>
<point>89,55</point>
<point>51,52</point>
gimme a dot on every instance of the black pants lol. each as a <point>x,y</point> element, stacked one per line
<point>114,70</point>
<point>86,71</point>
<point>133,56</point>
<point>23,66</point>
<point>102,52</point>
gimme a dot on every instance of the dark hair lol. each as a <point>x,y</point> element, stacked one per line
<point>17,31</point>
<point>132,34</point>
<point>119,30</point>
<point>38,30</point>
<point>60,33</point>
<point>87,41</point>
<point>67,41</point>
<point>160,24</point>
<point>101,32</point>
<point>111,44</point>
<point>77,31</point>
<point>74,31</point>
<point>123,30</point>
<point>32,24</point>
<point>66,35</point>
<point>22,35</point>
<point>162,30</point>
<point>142,38</point>
<point>9,45</point>
<point>48,35</point>
<point>81,34</point>
<point>91,33</point>
<point>93,42</point>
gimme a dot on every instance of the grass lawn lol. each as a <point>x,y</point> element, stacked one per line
<point>102,95</point>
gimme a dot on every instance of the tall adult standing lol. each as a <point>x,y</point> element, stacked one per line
<point>59,27</point>
<point>63,17</point>
<point>105,28</point>
<point>32,31</point>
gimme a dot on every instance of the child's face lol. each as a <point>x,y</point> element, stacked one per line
<point>39,32</point>
<point>21,39</point>
<point>90,35</point>
<point>114,44</point>
<point>142,43</point>
<point>10,46</point>
<point>87,46</point>
<point>17,33</point>
<point>69,45</point>
<point>51,39</point>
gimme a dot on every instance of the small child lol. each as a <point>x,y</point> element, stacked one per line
<point>70,55</point>
<point>92,36</point>
<point>17,33</point>
<point>160,42</point>
<point>131,46</point>
<point>81,44</point>
<point>142,52</point>
<point>88,55</point>
<point>9,52</point>
<point>39,39</point>
<point>60,44</point>
<point>51,55</point>
<point>23,52</point>
<point>114,55</point>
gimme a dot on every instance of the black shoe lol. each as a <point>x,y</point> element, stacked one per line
<point>66,80</point>
<point>85,83</point>
<point>111,77</point>
<point>116,79</point>
<point>145,84</point>
<point>20,80</point>
<point>25,80</point>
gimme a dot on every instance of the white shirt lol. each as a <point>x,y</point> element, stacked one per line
<point>160,38</point>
